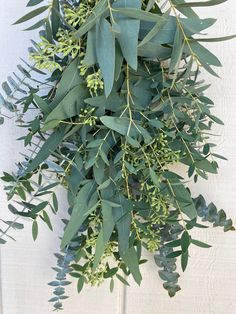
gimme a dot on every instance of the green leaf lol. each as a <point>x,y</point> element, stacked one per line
<point>70,78</point>
<point>213,40</point>
<point>130,259</point>
<point>156,123</point>
<point>139,14</point>
<point>156,28</point>
<point>36,25</point>
<point>122,217</point>
<point>129,31</point>
<point>216,119</point>
<point>112,102</point>
<point>8,177</point>
<point>31,3</point>
<point>177,52</point>
<point>174,254</point>
<point>32,14</point>
<point>47,220</point>
<point>201,4</point>
<point>69,107</point>
<point>104,185</point>
<point>37,208</point>
<point>49,146</point>
<point>184,200</point>
<point>55,17</point>
<point>111,272</point>
<point>154,177</point>
<point>77,217</point>
<point>105,49</point>
<point>55,202</point>
<point>105,233</point>
<point>205,165</point>
<point>42,104</point>
<point>80,284</point>
<point>90,57</point>
<point>120,125</point>
<point>112,204</point>
<point>118,62</point>
<point>184,260</point>
<point>125,126</point>
<point>185,241</point>
<point>187,11</point>
<point>98,171</point>
<point>203,54</point>
<point>200,244</point>
<point>35,230</point>
<point>122,279</point>
<point>172,244</point>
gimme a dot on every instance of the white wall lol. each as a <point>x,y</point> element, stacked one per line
<point>209,284</point>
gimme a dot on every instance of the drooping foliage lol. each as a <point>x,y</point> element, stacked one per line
<point>122,103</point>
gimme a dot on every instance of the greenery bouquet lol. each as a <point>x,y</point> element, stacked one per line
<point>116,101</point>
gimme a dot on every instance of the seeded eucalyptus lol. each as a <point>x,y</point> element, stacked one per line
<point>123,105</point>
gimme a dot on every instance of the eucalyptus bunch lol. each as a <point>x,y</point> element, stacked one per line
<point>122,104</point>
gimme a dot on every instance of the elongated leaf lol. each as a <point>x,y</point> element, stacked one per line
<point>35,230</point>
<point>200,244</point>
<point>129,31</point>
<point>187,11</point>
<point>80,284</point>
<point>50,145</point>
<point>201,4</point>
<point>118,62</point>
<point>78,214</point>
<point>122,279</point>
<point>90,57</point>
<point>130,259</point>
<point>213,40</point>
<point>120,125</point>
<point>177,53</point>
<point>112,102</point>
<point>31,3</point>
<point>32,14</point>
<point>55,18</point>
<point>139,14</point>
<point>125,127</point>
<point>152,50</point>
<point>185,241</point>
<point>204,55</point>
<point>105,48</point>
<point>122,216</point>
<point>184,260</point>
<point>184,200</point>
<point>47,220</point>
<point>36,25</point>
<point>69,107</point>
<point>105,233</point>
<point>42,104</point>
<point>167,32</point>
<point>157,27</point>
<point>70,78</point>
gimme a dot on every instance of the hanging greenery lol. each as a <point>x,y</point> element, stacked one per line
<point>122,104</point>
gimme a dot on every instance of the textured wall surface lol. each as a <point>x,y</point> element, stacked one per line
<point>209,284</point>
